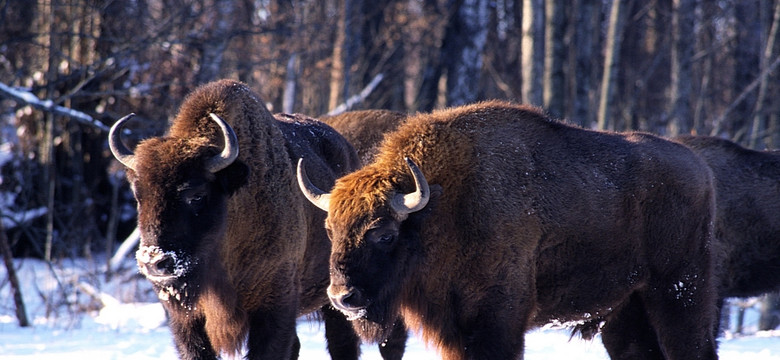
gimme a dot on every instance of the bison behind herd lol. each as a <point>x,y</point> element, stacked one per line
<point>469,225</point>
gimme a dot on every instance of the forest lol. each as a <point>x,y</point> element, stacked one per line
<point>70,68</point>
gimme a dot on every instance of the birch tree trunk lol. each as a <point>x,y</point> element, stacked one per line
<point>215,40</point>
<point>532,51</point>
<point>617,18</point>
<point>463,45</point>
<point>681,78</point>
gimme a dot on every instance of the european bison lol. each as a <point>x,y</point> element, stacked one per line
<point>527,221</point>
<point>747,226</point>
<point>233,249</point>
<point>364,129</point>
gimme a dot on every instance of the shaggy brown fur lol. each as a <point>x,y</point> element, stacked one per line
<point>747,226</point>
<point>530,222</point>
<point>364,129</point>
<point>245,252</point>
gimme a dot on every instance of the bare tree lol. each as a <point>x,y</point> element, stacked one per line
<point>759,128</point>
<point>532,51</point>
<point>213,39</point>
<point>554,95</point>
<point>681,79</point>
<point>617,18</point>
<point>5,248</point>
<point>586,20</point>
<point>463,44</point>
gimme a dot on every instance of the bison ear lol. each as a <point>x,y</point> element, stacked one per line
<point>233,177</point>
<point>436,191</point>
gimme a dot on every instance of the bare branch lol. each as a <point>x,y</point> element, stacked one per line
<point>716,125</point>
<point>354,100</point>
<point>26,97</point>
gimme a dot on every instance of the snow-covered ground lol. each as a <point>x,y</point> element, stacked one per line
<point>90,318</point>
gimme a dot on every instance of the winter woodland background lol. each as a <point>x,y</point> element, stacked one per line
<point>70,68</point>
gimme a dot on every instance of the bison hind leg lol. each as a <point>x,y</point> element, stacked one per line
<point>627,333</point>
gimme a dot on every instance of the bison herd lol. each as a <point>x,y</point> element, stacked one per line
<point>469,225</point>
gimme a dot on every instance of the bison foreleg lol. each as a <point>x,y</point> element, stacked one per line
<point>272,334</point>
<point>189,335</point>
<point>343,343</point>
<point>394,346</point>
<point>627,334</point>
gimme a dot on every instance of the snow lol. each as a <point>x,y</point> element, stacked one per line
<point>128,323</point>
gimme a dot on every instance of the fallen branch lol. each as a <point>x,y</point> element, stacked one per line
<point>352,101</point>
<point>127,246</point>
<point>26,97</point>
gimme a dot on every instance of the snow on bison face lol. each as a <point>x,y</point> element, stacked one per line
<point>182,187</point>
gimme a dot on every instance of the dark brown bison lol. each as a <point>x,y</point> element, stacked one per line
<point>747,226</point>
<point>527,221</point>
<point>233,249</point>
<point>364,129</point>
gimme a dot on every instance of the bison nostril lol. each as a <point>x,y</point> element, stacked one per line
<point>352,300</point>
<point>163,267</point>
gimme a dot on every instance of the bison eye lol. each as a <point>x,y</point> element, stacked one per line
<point>195,202</point>
<point>384,240</point>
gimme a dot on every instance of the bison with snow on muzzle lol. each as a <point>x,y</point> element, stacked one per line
<point>233,249</point>
<point>478,223</point>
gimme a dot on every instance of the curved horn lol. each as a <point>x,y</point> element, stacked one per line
<point>404,204</point>
<point>229,153</point>
<point>317,197</point>
<point>118,148</point>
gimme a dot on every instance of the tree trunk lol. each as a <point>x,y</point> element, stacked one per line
<point>585,39</point>
<point>747,66</point>
<point>532,51</point>
<point>617,18</point>
<point>554,94</point>
<point>381,51</point>
<point>47,145</point>
<point>770,312</point>
<point>430,62</point>
<point>215,40</point>
<point>5,247</point>
<point>463,45</point>
<point>680,121</point>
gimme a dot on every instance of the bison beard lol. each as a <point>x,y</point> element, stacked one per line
<point>382,289</point>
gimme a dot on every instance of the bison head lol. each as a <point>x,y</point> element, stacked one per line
<point>375,244</point>
<point>181,186</point>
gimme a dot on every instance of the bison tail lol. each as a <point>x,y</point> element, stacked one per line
<point>588,329</point>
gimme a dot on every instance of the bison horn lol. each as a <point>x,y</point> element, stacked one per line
<point>229,153</point>
<point>404,204</point>
<point>317,197</point>
<point>118,148</point>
